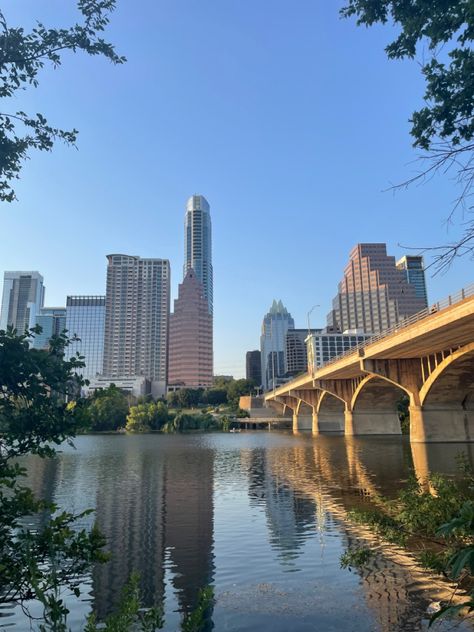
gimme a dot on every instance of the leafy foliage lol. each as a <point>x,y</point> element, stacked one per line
<point>144,417</point>
<point>22,56</point>
<point>355,557</point>
<point>34,416</point>
<point>107,409</point>
<point>130,615</point>
<point>444,127</point>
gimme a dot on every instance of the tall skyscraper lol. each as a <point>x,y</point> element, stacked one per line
<point>273,343</point>
<point>253,366</point>
<point>373,294</point>
<point>52,321</point>
<point>23,297</point>
<point>198,244</point>
<point>414,269</point>
<point>85,318</point>
<point>137,319</point>
<point>190,346</point>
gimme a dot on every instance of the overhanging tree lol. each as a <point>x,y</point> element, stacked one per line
<point>443,129</point>
<point>35,563</point>
<point>22,56</point>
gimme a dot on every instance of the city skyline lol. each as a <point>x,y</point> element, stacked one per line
<point>286,157</point>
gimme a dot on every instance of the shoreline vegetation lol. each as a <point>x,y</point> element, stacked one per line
<point>432,520</point>
<point>111,410</point>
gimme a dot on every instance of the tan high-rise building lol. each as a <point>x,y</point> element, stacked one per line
<point>190,350</point>
<point>137,309</point>
<point>373,294</point>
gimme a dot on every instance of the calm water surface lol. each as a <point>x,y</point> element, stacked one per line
<point>259,516</point>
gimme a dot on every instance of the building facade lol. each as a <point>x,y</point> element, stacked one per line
<point>22,299</point>
<point>373,294</point>
<point>52,321</point>
<point>253,366</point>
<point>137,319</point>
<point>273,343</point>
<point>190,341</point>
<point>85,319</point>
<point>296,357</point>
<point>324,345</point>
<point>198,244</point>
<point>414,269</point>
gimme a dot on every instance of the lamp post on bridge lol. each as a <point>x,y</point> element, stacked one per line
<point>309,337</point>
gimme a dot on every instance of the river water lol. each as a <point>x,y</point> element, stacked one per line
<point>260,516</point>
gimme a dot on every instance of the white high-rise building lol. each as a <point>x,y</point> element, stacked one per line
<point>198,244</point>
<point>137,308</point>
<point>23,297</point>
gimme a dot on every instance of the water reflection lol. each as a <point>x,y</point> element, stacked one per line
<point>262,516</point>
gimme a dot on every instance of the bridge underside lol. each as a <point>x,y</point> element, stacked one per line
<point>439,389</point>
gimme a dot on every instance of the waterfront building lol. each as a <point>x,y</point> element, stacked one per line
<point>253,366</point>
<point>414,269</point>
<point>373,294</point>
<point>137,319</point>
<point>198,244</point>
<point>52,321</point>
<point>85,319</point>
<point>135,385</point>
<point>22,299</point>
<point>322,345</point>
<point>273,344</point>
<point>190,340</point>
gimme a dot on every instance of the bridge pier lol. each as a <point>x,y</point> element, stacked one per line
<point>438,424</point>
<point>365,422</point>
<point>315,423</point>
<point>302,421</point>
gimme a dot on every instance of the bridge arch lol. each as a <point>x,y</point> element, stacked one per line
<point>374,406</point>
<point>447,398</point>
<point>330,411</point>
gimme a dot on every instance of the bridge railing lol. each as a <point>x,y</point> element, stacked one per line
<point>452,299</point>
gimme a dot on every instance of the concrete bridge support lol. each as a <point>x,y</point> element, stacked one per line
<point>330,413</point>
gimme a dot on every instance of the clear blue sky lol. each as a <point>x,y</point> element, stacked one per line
<point>288,119</point>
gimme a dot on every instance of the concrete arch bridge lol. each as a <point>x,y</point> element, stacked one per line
<point>429,357</point>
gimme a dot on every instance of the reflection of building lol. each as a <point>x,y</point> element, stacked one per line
<point>288,515</point>
<point>85,318</point>
<point>272,343</point>
<point>190,342</point>
<point>136,319</point>
<point>155,506</point>
<point>130,511</point>
<point>198,244</point>
<point>23,297</point>
<point>52,321</point>
<point>373,294</point>
<point>189,521</point>
<point>253,367</point>
<point>415,274</point>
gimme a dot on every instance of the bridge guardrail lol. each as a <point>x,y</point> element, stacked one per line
<point>452,299</point>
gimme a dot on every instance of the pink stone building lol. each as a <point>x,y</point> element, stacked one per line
<point>190,337</point>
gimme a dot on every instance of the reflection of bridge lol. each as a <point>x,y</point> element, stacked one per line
<point>429,358</point>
